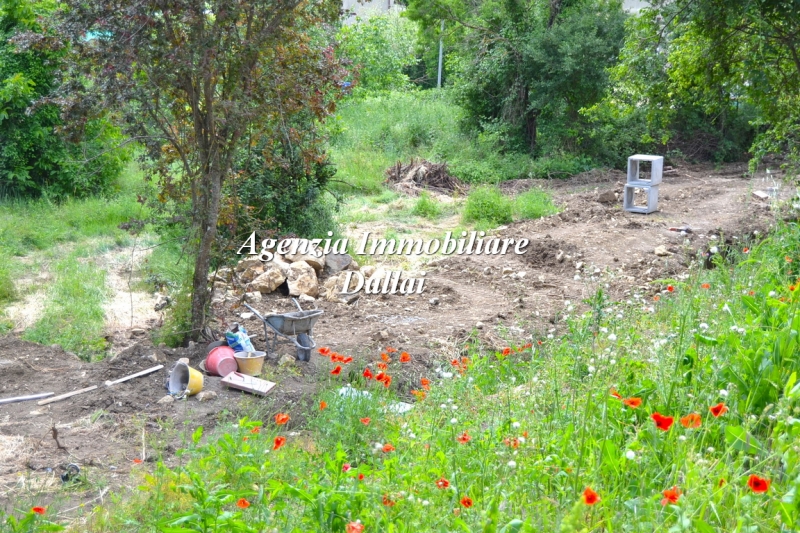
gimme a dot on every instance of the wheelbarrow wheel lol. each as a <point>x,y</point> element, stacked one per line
<point>304,354</point>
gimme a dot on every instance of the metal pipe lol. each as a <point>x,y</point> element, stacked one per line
<point>441,47</point>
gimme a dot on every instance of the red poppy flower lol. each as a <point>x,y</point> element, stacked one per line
<point>692,420</point>
<point>323,405</point>
<point>336,358</point>
<point>387,502</point>
<point>39,510</point>
<point>464,361</point>
<point>662,422</point>
<point>137,461</point>
<point>454,362</point>
<point>279,441</point>
<point>385,357</point>
<point>256,430</point>
<point>590,497</point>
<point>383,366</point>
<point>746,250</point>
<point>387,448</point>
<point>791,288</point>
<point>347,360</point>
<point>670,288</point>
<point>281,418</point>
<point>514,443</point>
<point>442,483</point>
<point>387,381</point>
<point>633,403</point>
<point>506,351</point>
<point>539,343</point>
<point>336,371</point>
<point>671,496</point>
<point>389,349</point>
<point>365,421</point>
<point>325,351</point>
<point>613,392</point>
<point>426,383</point>
<point>718,410</point>
<point>245,439</point>
<point>706,286</point>
<point>405,357</point>
<point>355,527</point>
<point>758,484</point>
<point>242,503</point>
<point>346,467</point>
<point>464,438</point>
<point>466,501</point>
<point>751,293</point>
<point>361,477</point>
<point>368,373</point>
<point>380,377</point>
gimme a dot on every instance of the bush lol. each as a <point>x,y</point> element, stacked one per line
<point>487,205</point>
<point>533,204</point>
<point>7,289</point>
<point>427,207</point>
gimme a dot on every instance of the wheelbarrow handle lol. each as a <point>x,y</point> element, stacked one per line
<point>297,304</point>
<point>256,312</point>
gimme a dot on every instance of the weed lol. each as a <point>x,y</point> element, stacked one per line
<point>427,207</point>
<point>532,204</point>
<point>486,204</point>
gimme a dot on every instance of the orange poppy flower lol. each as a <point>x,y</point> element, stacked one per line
<point>454,362</point>
<point>39,510</point>
<point>347,360</point>
<point>325,351</point>
<point>365,421</point>
<point>670,288</point>
<point>514,443</point>
<point>281,418</point>
<point>613,392</point>
<point>323,405</point>
<point>368,373</point>
<point>506,351</point>
<point>466,502</point>
<point>706,286</point>
<point>692,420</point>
<point>662,422</point>
<point>791,288</point>
<point>336,371</point>
<point>405,357</point>
<point>245,439</point>
<point>361,477</point>
<point>355,527</point>
<point>387,502</point>
<point>279,441</point>
<point>426,383</point>
<point>380,377</point>
<point>788,259</point>
<point>718,410</point>
<point>746,250</point>
<point>388,448</point>
<point>656,297</point>
<point>242,503</point>
<point>590,497</point>
<point>137,461</point>
<point>633,403</point>
<point>389,349</point>
<point>671,496</point>
<point>420,394</point>
<point>442,483</point>
<point>387,381</point>
<point>383,366</point>
<point>758,484</point>
<point>386,358</point>
<point>257,429</point>
<point>464,438</point>
<point>751,293</point>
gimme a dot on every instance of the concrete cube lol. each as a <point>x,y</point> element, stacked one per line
<point>652,198</point>
<point>656,170</point>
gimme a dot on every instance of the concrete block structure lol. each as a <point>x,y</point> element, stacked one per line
<point>647,181</point>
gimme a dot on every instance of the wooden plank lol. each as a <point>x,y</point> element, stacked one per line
<point>136,375</point>
<point>67,395</point>
<point>26,398</point>
<point>236,380</point>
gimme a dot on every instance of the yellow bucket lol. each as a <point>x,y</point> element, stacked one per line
<point>250,363</point>
<point>184,380</point>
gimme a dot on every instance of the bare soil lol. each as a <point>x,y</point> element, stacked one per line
<point>587,245</point>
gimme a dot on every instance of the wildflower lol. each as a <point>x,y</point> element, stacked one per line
<point>387,502</point>
<point>791,288</point>
<point>325,351</point>
<point>513,443</point>
<point>380,377</point>
<point>464,438</point>
<point>361,477</point>
<point>758,484</point>
<point>245,439</point>
<point>630,455</point>
<point>346,467</point>
<point>385,358</point>
<point>718,410</point>
<point>670,288</point>
<point>442,483</point>
<point>279,441</point>
<point>613,392</point>
<point>336,371</point>
<point>420,394</point>
<point>347,360</point>
<point>389,349</point>
<point>39,510</point>
<point>656,297</point>
<point>512,464</point>
<point>137,461</point>
<point>721,482</point>
<point>692,420</point>
<point>368,373</point>
<point>405,357</point>
<point>788,259</point>
<point>506,351</point>
<point>706,286</point>
<point>590,497</point>
<point>454,362</point>
<point>671,496</point>
<point>281,418</point>
<point>322,405</point>
<point>387,381</point>
<point>662,422</point>
<point>387,448</point>
<point>633,403</point>
<point>365,421</point>
<point>383,366</point>
<point>466,502</point>
<point>746,250</point>
<point>355,527</point>
<point>454,420</point>
<point>256,430</point>
<point>242,503</point>
<point>426,383</point>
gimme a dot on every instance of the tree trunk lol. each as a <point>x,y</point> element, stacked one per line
<point>206,227</point>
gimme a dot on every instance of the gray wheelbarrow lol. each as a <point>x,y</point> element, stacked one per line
<point>296,327</point>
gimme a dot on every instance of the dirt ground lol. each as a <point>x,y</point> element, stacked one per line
<point>505,299</point>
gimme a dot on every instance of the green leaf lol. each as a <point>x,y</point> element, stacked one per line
<point>197,435</point>
<point>739,439</point>
<point>707,341</point>
<point>702,527</point>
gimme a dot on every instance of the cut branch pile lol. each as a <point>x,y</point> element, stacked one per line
<point>419,174</point>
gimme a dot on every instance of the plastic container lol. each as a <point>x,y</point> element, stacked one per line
<point>184,380</point>
<point>220,361</point>
<point>250,363</point>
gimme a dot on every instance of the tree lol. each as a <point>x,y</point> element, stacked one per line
<point>199,81</point>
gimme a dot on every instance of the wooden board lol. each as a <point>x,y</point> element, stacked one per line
<point>67,395</point>
<point>236,380</point>
<point>136,375</point>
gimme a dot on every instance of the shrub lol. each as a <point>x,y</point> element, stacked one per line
<point>487,205</point>
<point>533,204</point>
<point>427,207</point>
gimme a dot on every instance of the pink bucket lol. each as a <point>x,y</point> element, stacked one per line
<point>220,361</point>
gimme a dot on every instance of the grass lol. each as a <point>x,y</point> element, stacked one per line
<point>427,207</point>
<point>674,410</point>
<point>487,205</point>
<point>533,204</point>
